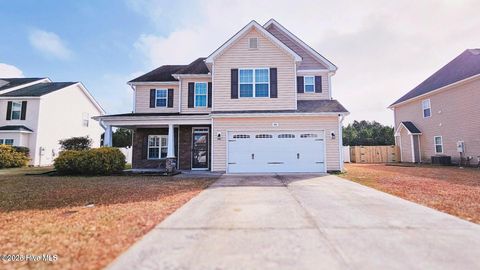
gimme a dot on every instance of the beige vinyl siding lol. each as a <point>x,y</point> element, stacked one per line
<point>308,61</point>
<point>454,116</point>
<point>287,123</point>
<point>184,93</point>
<point>142,99</point>
<point>268,55</point>
<point>314,96</point>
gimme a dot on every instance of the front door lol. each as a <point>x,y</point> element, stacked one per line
<point>200,148</point>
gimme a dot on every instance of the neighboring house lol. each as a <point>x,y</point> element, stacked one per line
<point>262,102</point>
<point>441,113</point>
<point>37,113</point>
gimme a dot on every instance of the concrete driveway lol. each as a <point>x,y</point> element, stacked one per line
<point>304,222</point>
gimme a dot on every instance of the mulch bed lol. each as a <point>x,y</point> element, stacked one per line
<point>449,189</point>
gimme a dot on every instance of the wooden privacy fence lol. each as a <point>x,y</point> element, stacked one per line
<point>375,154</point>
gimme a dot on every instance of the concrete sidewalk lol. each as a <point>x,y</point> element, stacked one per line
<point>304,222</point>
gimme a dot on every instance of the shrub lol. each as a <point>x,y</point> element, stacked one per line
<point>98,161</point>
<point>22,149</point>
<point>76,143</point>
<point>9,158</point>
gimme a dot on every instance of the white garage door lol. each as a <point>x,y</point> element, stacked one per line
<point>276,151</point>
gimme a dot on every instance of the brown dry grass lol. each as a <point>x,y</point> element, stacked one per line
<point>449,189</point>
<point>47,215</point>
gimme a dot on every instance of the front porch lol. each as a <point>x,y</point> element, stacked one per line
<point>158,140</point>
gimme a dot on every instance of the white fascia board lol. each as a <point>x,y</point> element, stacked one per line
<point>314,53</point>
<point>194,76</point>
<point>245,29</point>
<point>443,88</point>
<point>15,131</point>
<point>90,97</point>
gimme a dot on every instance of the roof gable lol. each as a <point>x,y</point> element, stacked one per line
<point>297,44</point>
<point>160,74</point>
<point>464,66</point>
<point>245,30</point>
<point>409,126</point>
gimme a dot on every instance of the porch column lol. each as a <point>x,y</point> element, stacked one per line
<point>170,143</point>
<point>107,138</point>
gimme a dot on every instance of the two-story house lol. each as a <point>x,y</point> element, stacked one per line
<point>261,102</point>
<point>37,113</point>
<point>441,116</point>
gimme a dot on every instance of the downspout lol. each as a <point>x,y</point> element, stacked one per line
<point>340,139</point>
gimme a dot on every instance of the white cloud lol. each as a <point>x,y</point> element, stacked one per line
<point>49,44</point>
<point>382,48</point>
<point>9,71</point>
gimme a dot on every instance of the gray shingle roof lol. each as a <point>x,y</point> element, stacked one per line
<point>463,66</point>
<point>15,128</point>
<point>13,82</point>
<point>303,106</point>
<point>196,67</point>
<point>411,127</point>
<point>38,89</point>
<point>161,74</point>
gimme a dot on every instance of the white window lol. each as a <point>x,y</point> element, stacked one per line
<point>6,141</point>
<point>16,110</point>
<point>253,43</point>
<point>438,141</point>
<point>161,98</point>
<point>157,146</point>
<point>263,136</point>
<point>200,94</point>
<point>309,84</point>
<point>241,136</point>
<point>85,119</point>
<point>427,111</point>
<point>254,82</point>
<point>285,136</point>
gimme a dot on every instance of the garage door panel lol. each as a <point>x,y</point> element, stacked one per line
<point>278,151</point>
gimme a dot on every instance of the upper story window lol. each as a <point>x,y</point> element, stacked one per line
<point>161,98</point>
<point>85,119</point>
<point>157,146</point>
<point>253,43</point>
<point>16,110</point>
<point>254,82</point>
<point>309,84</point>
<point>438,141</point>
<point>200,94</point>
<point>427,111</point>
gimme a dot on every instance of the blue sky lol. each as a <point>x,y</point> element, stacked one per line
<point>382,48</point>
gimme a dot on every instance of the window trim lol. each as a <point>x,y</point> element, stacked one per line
<point>435,144</point>
<point>195,95</point>
<point>254,82</point>
<point>20,111</point>
<point>305,85</point>
<point>428,108</point>
<point>159,146</point>
<point>157,98</point>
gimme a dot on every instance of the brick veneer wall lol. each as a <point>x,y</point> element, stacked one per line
<point>139,151</point>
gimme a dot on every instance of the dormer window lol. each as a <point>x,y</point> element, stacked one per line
<point>253,43</point>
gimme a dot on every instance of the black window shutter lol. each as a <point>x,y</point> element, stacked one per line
<point>273,83</point>
<point>318,84</point>
<point>9,110</point>
<point>191,94</point>
<point>234,84</point>
<point>24,110</point>
<point>152,98</point>
<point>170,98</point>
<point>299,84</point>
<point>209,95</point>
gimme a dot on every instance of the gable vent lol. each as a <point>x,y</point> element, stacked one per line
<point>253,43</point>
